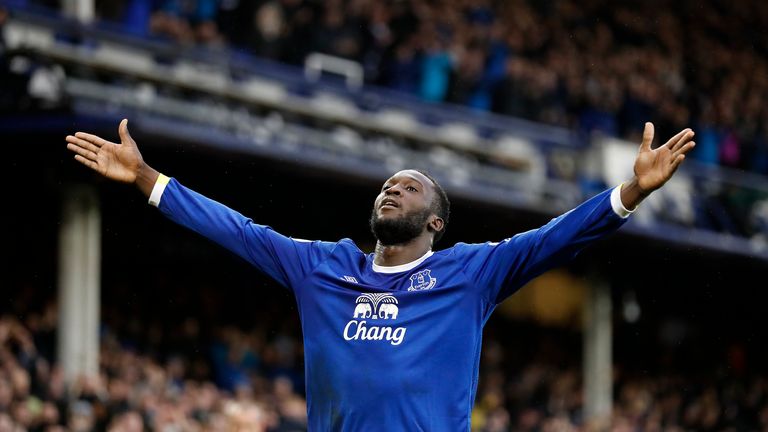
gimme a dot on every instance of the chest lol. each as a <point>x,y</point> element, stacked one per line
<point>357,304</point>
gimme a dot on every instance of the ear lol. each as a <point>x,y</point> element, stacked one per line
<point>436,224</point>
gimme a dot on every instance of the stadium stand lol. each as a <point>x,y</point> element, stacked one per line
<point>522,58</point>
<point>257,106</point>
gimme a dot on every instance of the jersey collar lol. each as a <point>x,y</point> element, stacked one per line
<point>402,267</point>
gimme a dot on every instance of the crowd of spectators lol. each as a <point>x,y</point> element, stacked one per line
<point>546,396</point>
<point>176,379</point>
<point>588,66</point>
<point>234,389</point>
<point>592,65</point>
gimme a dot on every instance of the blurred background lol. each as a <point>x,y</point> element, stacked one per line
<point>294,112</point>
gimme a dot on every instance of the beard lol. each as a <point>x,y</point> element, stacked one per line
<point>394,231</point>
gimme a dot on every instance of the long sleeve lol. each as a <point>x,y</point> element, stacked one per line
<point>502,268</point>
<point>284,259</point>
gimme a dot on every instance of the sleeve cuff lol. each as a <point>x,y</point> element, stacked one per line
<point>618,206</point>
<point>158,189</point>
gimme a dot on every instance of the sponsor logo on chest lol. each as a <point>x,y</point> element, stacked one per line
<point>372,318</point>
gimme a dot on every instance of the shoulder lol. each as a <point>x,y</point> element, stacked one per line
<point>348,244</point>
<point>464,248</point>
<point>345,246</point>
<point>476,250</point>
<point>457,251</point>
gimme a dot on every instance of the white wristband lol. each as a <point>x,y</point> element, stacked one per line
<point>158,189</point>
<point>618,206</point>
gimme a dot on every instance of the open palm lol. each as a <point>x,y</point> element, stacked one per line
<point>653,167</point>
<point>120,162</point>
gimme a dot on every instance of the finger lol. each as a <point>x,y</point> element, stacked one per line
<point>675,139</point>
<point>647,137</point>
<point>96,140</point>
<point>682,141</point>
<point>89,163</point>
<point>82,143</point>
<point>82,152</point>
<point>684,149</point>
<point>678,160</point>
<point>125,137</point>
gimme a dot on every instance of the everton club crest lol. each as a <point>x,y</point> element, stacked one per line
<point>422,281</point>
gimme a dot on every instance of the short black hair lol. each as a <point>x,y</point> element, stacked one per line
<point>441,206</point>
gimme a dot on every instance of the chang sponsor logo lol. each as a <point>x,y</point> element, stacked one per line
<point>378,308</point>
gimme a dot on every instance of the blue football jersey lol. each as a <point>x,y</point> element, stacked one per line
<point>393,348</point>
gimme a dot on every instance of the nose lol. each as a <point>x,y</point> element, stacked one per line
<point>394,190</point>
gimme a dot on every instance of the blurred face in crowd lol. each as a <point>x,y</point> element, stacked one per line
<point>6,423</point>
<point>404,208</point>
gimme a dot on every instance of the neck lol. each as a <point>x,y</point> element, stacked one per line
<point>394,255</point>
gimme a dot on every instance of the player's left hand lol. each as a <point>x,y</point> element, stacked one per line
<point>653,167</point>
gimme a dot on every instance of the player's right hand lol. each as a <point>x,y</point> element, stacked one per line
<point>120,162</point>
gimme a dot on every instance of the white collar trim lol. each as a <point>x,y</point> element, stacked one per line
<point>402,267</point>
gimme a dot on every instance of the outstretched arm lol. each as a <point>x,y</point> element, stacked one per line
<point>654,167</point>
<point>284,259</point>
<point>505,266</point>
<point>120,162</point>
